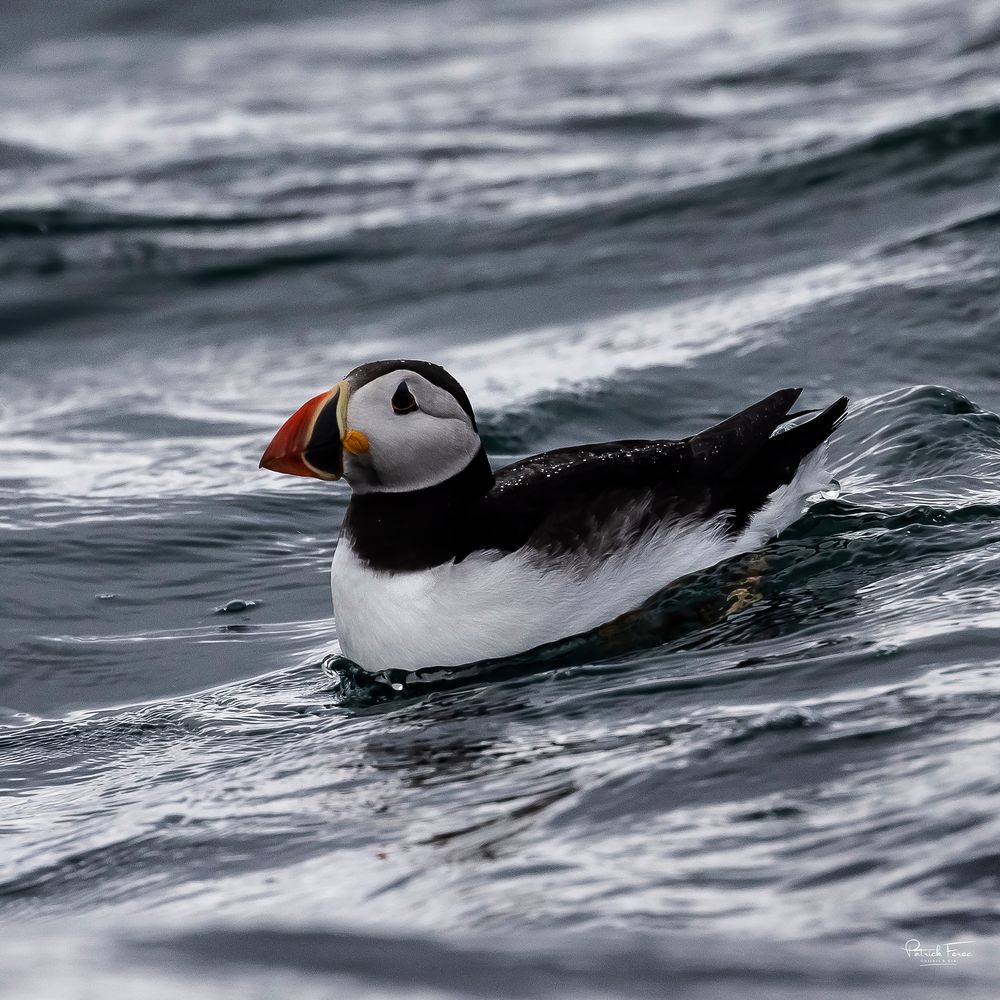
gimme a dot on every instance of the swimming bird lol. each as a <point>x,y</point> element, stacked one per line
<point>443,561</point>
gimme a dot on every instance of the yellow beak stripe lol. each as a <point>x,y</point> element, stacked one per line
<point>353,441</point>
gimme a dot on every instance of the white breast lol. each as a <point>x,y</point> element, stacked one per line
<point>494,604</point>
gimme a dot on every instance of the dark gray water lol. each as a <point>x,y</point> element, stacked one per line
<point>606,221</point>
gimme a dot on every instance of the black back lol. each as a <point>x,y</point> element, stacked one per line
<point>591,499</point>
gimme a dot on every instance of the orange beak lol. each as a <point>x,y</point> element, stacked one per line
<point>311,441</point>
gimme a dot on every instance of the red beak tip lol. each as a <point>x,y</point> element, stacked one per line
<point>285,454</point>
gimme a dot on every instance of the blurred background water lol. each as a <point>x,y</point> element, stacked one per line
<point>607,220</point>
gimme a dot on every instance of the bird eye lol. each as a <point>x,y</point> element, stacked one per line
<point>402,399</point>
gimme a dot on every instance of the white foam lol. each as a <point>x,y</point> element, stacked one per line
<point>528,363</point>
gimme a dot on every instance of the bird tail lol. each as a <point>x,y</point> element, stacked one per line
<point>782,454</point>
<point>778,459</point>
<point>786,448</point>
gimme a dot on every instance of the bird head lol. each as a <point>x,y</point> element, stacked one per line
<point>388,426</point>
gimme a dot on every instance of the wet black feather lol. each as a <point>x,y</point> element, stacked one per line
<point>563,501</point>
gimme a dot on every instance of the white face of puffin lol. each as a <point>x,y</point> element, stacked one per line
<point>417,434</point>
<point>393,433</point>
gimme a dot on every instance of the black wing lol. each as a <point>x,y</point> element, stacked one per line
<point>560,500</point>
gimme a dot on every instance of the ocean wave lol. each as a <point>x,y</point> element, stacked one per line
<point>608,223</point>
<point>81,220</point>
<point>17,156</point>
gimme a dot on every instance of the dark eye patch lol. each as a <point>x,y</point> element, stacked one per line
<point>402,399</point>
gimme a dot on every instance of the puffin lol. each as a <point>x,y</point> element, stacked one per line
<point>443,561</point>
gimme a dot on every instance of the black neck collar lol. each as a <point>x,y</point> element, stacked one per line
<point>421,528</point>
